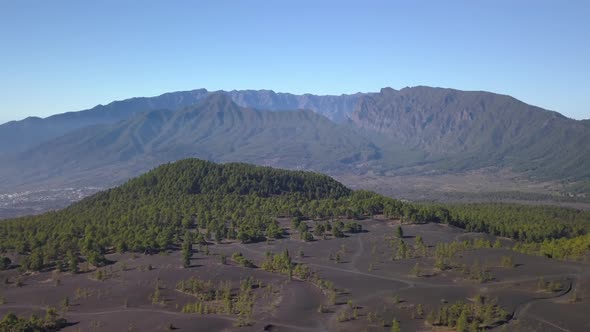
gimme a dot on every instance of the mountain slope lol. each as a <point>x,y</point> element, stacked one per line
<point>418,130</point>
<point>216,129</point>
<point>335,108</point>
<point>472,129</point>
<point>148,212</point>
<point>18,136</point>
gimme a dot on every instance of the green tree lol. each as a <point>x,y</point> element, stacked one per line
<point>187,249</point>
<point>5,263</point>
<point>416,270</point>
<point>399,232</point>
<point>462,322</point>
<point>306,236</point>
<point>65,303</point>
<point>507,261</point>
<point>36,260</point>
<point>402,250</point>
<point>419,310</point>
<point>337,232</point>
<point>72,262</point>
<point>95,258</point>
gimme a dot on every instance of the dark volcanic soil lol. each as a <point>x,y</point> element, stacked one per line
<point>368,282</point>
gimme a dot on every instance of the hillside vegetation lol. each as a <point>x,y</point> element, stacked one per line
<point>461,130</point>
<point>153,212</point>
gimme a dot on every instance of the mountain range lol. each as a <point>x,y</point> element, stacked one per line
<point>18,136</point>
<point>418,130</point>
<point>469,129</point>
<point>215,129</point>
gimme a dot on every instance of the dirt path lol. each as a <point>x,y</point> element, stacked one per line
<point>74,314</point>
<point>322,266</point>
<point>357,254</point>
<point>519,311</point>
<point>548,323</point>
<point>522,308</point>
<point>407,281</point>
<point>400,280</point>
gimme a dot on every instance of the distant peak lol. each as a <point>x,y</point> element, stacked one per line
<point>32,118</point>
<point>219,98</point>
<point>215,102</point>
<point>387,90</point>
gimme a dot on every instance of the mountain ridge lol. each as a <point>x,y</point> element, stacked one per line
<point>215,129</point>
<point>472,129</point>
<point>414,130</point>
<point>17,136</point>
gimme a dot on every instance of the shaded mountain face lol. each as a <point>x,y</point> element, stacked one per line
<point>18,136</point>
<point>416,130</point>
<point>216,129</point>
<point>335,108</point>
<point>470,129</point>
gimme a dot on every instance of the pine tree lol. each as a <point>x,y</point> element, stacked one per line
<point>419,311</point>
<point>187,250</point>
<point>72,262</point>
<point>395,326</point>
<point>462,323</point>
<point>416,270</point>
<point>402,250</point>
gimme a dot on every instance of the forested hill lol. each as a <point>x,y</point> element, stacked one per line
<point>215,202</point>
<point>151,212</point>
<point>195,176</point>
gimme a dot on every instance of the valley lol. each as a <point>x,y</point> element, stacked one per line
<point>34,202</point>
<point>484,185</point>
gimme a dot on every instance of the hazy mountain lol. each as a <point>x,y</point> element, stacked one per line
<point>215,129</point>
<point>17,136</point>
<point>410,131</point>
<point>335,108</point>
<point>470,129</point>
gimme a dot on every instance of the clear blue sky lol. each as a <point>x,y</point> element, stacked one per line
<point>58,56</point>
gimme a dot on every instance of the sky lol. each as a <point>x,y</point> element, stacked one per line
<point>59,56</point>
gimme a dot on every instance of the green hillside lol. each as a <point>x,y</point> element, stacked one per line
<point>463,130</point>
<point>150,213</point>
<point>214,202</point>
